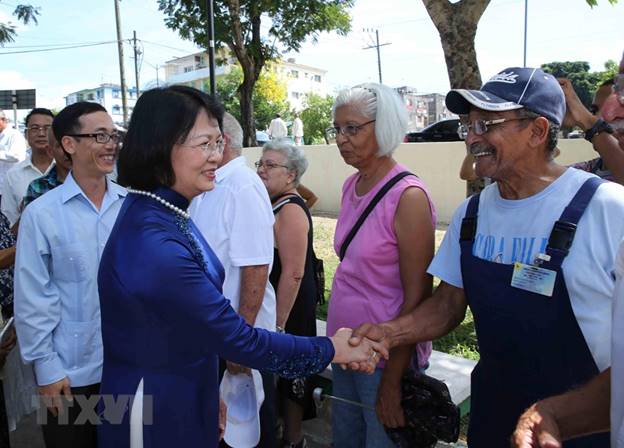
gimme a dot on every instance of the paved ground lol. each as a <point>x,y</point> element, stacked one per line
<point>27,434</point>
<point>317,432</point>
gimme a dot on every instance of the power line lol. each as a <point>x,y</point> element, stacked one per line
<point>12,47</point>
<point>169,47</point>
<point>58,48</point>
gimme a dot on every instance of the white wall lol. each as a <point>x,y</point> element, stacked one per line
<point>437,164</point>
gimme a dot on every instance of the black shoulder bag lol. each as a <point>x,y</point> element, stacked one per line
<point>369,208</point>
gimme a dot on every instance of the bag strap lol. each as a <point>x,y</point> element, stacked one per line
<point>369,208</point>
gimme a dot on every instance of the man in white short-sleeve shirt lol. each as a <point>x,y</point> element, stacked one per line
<point>12,146</point>
<point>533,256</point>
<point>236,218</point>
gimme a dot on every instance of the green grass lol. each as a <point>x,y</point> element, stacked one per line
<point>460,342</point>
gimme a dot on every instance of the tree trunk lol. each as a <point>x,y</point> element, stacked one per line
<point>457,26</point>
<point>251,62</point>
<point>245,95</point>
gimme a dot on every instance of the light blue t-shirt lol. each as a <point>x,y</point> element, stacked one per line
<point>518,230</point>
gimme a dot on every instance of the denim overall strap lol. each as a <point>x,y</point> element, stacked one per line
<point>564,230</point>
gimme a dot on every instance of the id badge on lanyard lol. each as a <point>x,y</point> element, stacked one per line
<point>533,278</point>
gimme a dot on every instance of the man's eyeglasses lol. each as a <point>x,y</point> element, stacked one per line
<point>210,148</point>
<point>100,137</point>
<point>36,129</point>
<point>480,127</point>
<point>269,165</point>
<point>349,129</point>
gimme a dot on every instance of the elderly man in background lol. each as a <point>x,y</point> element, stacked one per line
<point>533,255</point>
<point>297,130</point>
<point>237,220</point>
<point>609,103</point>
<point>12,146</point>
<point>277,128</point>
<point>38,125</point>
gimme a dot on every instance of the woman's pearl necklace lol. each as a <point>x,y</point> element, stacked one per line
<point>169,205</point>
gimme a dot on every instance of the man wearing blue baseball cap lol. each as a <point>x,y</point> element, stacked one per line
<point>532,255</point>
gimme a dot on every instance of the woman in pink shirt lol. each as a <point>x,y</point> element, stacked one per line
<point>383,272</point>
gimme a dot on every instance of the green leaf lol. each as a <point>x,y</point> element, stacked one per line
<point>27,13</point>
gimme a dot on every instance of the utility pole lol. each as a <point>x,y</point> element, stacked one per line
<point>122,70</point>
<point>377,45</point>
<point>211,47</point>
<point>526,11</point>
<point>136,65</point>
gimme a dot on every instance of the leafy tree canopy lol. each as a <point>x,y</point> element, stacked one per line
<point>238,25</point>
<point>269,97</point>
<point>24,13</point>
<point>585,82</point>
<point>316,117</point>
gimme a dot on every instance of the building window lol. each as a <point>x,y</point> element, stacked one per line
<point>91,97</point>
<point>116,109</point>
<point>293,73</point>
<point>188,69</point>
<point>80,97</point>
<point>317,78</point>
<point>295,95</point>
<point>116,93</point>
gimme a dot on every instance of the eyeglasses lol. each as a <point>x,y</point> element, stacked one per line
<point>269,165</point>
<point>100,137</point>
<point>349,129</point>
<point>214,147</point>
<point>36,129</point>
<point>480,127</point>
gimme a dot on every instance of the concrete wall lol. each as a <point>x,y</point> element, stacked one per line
<point>436,163</point>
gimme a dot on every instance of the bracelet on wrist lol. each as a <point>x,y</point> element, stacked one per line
<point>599,126</point>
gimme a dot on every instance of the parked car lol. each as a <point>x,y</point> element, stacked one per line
<point>576,133</point>
<point>442,131</point>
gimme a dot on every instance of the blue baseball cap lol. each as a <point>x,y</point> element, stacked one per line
<point>513,88</point>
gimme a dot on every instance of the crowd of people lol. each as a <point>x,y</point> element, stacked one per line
<point>161,267</point>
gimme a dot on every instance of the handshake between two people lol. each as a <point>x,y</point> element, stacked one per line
<point>360,349</point>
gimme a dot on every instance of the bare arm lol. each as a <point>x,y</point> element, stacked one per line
<point>7,257</point>
<point>308,195</point>
<point>253,285</point>
<point>434,317</point>
<point>291,237</point>
<point>604,143</point>
<point>467,172</point>
<point>575,413</point>
<point>415,236</point>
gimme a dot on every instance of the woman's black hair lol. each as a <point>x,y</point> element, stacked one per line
<point>162,118</point>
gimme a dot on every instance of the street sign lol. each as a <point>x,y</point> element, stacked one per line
<point>18,99</point>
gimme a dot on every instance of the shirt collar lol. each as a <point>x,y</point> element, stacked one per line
<point>71,189</point>
<point>27,163</point>
<point>227,169</point>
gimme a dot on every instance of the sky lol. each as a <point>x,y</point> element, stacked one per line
<point>558,30</point>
